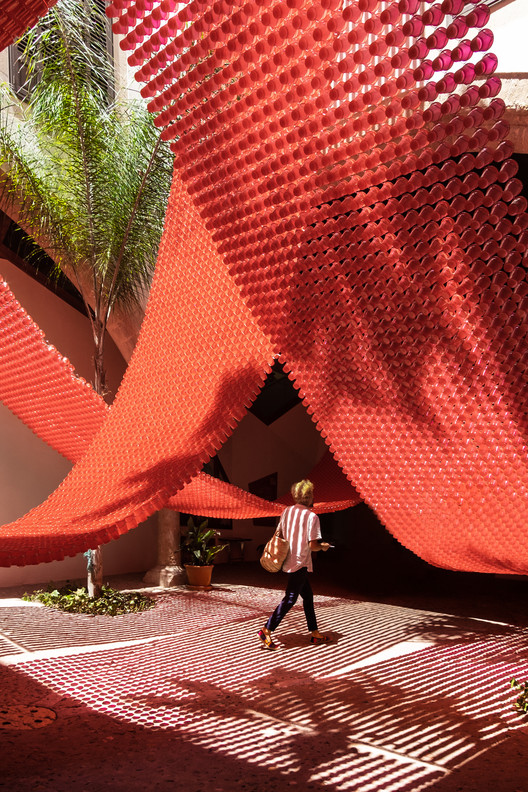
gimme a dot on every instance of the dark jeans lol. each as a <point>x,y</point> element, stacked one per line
<point>298,583</point>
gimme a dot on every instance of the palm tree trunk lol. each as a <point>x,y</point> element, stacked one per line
<point>94,572</point>
<point>94,566</point>
<point>99,370</point>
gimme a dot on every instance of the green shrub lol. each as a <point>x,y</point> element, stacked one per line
<point>521,703</point>
<point>76,600</point>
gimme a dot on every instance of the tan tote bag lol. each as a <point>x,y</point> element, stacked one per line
<point>275,552</point>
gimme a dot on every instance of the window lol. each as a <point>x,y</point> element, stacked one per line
<point>17,69</point>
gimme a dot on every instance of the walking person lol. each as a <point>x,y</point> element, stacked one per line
<point>300,526</point>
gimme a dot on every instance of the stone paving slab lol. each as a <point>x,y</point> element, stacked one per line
<point>184,697</point>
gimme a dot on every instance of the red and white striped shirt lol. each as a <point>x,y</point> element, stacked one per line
<point>299,526</point>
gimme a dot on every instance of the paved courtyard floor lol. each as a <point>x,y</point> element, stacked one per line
<point>183,697</point>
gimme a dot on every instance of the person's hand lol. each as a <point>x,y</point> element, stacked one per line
<point>324,546</point>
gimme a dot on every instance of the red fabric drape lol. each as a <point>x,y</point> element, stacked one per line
<point>41,388</point>
<point>210,497</point>
<point>352,166</point>
<point>170,414</point>
<point>345,167</point>
<point>17,17</point>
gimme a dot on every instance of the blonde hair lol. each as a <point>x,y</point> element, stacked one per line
<point>302,492</point>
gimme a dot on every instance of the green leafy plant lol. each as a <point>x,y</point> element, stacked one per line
<point>76,600</point>
<point>521,703</point>
<point>199,546</point>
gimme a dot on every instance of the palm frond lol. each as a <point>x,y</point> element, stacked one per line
<point>138,173</point>
<point>90,176</point>
<point>62,54</point>
<point>28,187</point>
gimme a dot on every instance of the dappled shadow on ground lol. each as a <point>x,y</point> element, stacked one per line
<point>399,578</point>
<point>85,748</point>
<point>447,630</point>
<point>291,640</point>
<point>287,732</point>
<point>207,708</point>
<point>498,768</point>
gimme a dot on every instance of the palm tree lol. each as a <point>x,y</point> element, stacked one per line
<point>85,175</point>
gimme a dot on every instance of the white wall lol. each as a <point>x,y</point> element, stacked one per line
<point>509,24</point>
<point>29,469</point>
<point>290,446</point>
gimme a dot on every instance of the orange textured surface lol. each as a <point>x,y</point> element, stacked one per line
<point>16,16</point>
<point>344,168</point>
<point>171,412</point>
<point>40,387</point>
<point>351,163</point>
<point>210,497</point>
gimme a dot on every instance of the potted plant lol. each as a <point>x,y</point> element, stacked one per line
<point>199,549</point>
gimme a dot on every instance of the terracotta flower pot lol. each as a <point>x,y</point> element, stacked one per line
<point>199,575</point>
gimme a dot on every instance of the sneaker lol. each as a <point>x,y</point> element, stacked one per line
<point>266,640</point>
<point>318,640</point>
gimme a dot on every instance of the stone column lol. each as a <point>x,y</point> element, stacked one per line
<point>168,571</point>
